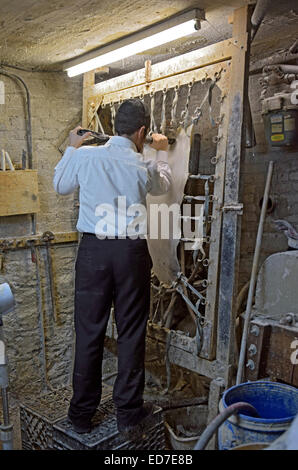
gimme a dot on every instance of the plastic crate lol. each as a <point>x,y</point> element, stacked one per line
<point>38,415</point>
<point>105,436</point>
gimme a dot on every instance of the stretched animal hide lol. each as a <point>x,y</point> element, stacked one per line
<point>164,251</point>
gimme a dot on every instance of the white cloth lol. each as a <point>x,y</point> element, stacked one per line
<point>106,173</point>
<point>163,251</point>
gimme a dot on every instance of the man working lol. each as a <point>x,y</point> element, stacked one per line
<point>112,267</point>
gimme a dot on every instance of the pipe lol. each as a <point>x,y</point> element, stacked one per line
<point>220,419</point>
<point>240,297</point>
<point>28,131</point>
<point>254,274</point>
<point>28,117</point>
<point>285,68</point>
<point>258,16</point>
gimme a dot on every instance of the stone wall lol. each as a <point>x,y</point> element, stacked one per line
<point>40,349</point>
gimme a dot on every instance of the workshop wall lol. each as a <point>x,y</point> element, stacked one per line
<point>39,349</point>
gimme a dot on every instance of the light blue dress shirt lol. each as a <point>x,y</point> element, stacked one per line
<point>111,178</point>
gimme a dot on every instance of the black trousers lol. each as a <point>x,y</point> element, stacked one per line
<point>110,271</point>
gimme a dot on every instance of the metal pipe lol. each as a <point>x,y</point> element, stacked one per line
<point>220,419</point>
<point>285,68</point>
<point>258,16</point>
<point>28,118</point>
<point>254,274</point>
<point>5,407</point>
<point>6,429</point>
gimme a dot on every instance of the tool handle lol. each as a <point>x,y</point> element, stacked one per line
<point>103,138</point>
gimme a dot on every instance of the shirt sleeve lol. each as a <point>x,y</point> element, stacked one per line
<point>159,175</point>
<point>66,172</point>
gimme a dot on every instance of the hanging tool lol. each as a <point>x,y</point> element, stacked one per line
<point>47,237</point>
<point>163,112</point>
<point>101,139</point>
<point>153,126</point>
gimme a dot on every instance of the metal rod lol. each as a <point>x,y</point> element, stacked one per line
<point>5,406</point>
<point>201,177</point>
<point>254,274</point>
<point>258,16</point>
<point>195,198</point>
<point>28,113</point>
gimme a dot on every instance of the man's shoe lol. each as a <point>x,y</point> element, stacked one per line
<point>145,411</point>
<point>80,428</point>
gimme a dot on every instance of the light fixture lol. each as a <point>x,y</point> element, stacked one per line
<point>166,31</point>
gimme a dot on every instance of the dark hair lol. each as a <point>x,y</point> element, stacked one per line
<point>131,115</point>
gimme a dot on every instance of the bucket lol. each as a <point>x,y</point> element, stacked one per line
<point>276,403</point>
<point>255,446</point>
<point>185,425</point>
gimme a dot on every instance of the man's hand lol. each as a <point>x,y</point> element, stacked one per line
<point>76,140</point>
<point>160,142</point>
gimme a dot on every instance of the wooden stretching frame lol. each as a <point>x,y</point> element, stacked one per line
<point>230,59</point>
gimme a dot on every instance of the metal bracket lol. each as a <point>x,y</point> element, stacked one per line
<point>233,207</point>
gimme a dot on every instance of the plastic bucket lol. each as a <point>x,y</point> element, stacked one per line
<point>185,425</point>
<point>277,406</point>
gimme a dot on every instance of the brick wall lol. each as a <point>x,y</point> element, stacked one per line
<point>283,191</point>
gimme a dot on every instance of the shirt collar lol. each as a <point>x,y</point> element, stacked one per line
<point>122,142</point>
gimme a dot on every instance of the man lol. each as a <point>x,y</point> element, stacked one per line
<point>112,267</point>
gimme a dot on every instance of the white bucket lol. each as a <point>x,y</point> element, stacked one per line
<point>6,299</point>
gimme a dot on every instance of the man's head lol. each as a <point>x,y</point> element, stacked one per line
<point>132,120</point>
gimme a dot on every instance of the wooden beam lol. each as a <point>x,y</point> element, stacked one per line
<point>208,350</point>
<point>230,239</point>
<point>169,82</point>
<point>15,243</point>
<point>187,62</point>
<point>88,83</point>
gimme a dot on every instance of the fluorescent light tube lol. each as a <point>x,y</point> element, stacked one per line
<point>149,42</point>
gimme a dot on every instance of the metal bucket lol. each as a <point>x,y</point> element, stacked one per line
<point>276,403</point>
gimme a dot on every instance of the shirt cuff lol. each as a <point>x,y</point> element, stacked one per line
<point>162,156</point>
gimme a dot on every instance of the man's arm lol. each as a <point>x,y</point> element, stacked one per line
<point>66,172</point>
<point>159,172</point>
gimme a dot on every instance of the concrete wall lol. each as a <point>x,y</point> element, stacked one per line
<point>56,104</point>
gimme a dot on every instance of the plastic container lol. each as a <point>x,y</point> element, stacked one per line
<point>185,425</point>
<point>276,403</point>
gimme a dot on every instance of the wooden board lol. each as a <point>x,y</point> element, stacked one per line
<point>272,356</point>
<point>18,192</point>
